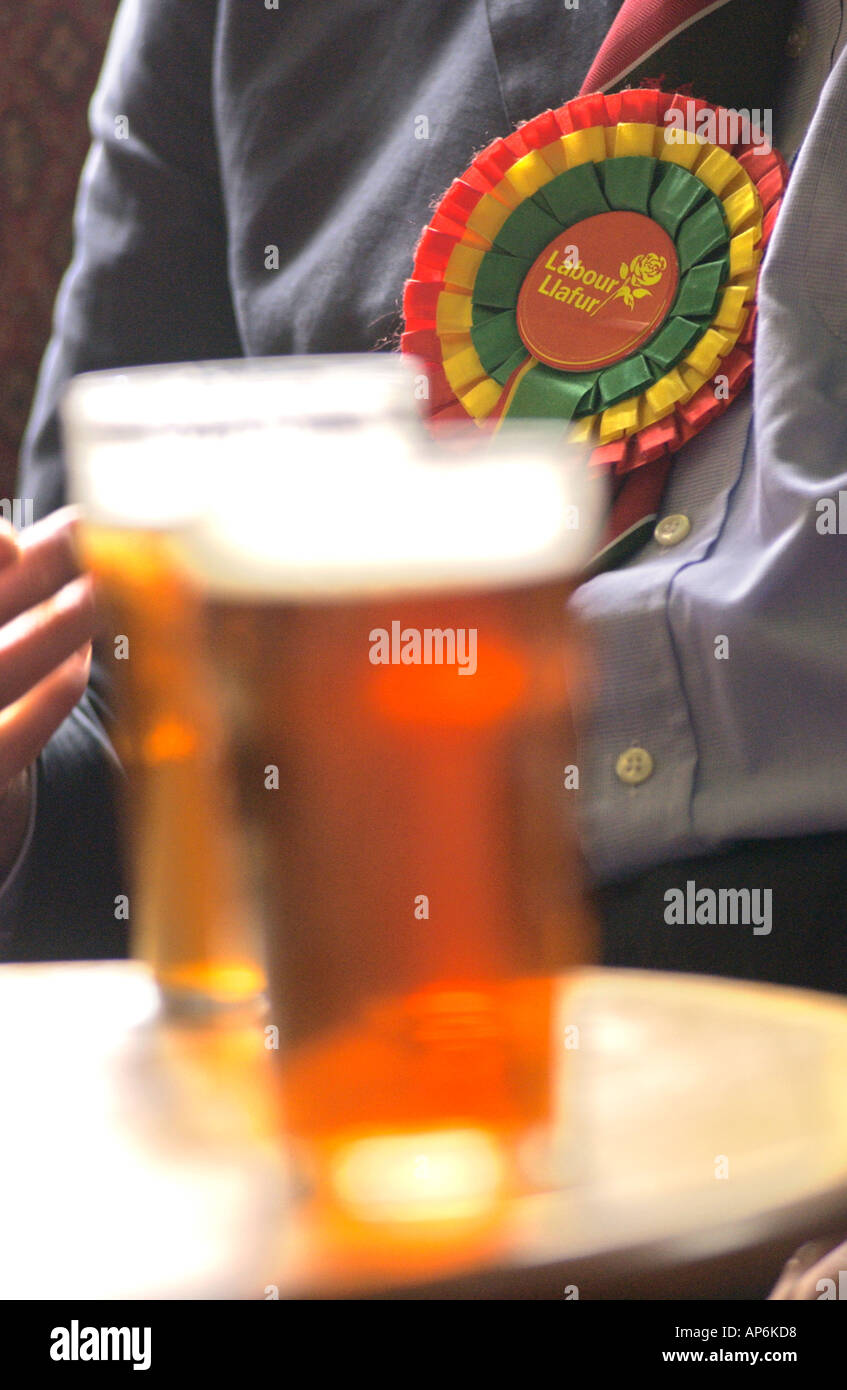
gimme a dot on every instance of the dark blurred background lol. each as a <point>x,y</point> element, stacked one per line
<point>50,56</point>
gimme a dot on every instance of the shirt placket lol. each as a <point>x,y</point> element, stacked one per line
<point>639,620</point>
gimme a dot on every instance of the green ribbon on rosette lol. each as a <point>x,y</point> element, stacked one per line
<point>686,210</point>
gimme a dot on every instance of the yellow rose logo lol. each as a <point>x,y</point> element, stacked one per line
<point>635,277</point>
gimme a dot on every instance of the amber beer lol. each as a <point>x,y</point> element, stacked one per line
<point>414,844</point>
<point>401,732</point>
<point>188,914</point>
<point>143,448</point>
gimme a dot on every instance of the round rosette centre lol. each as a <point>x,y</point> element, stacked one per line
<point>598,291</point>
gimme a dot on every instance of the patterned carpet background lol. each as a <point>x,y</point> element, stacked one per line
<point>50,56</point>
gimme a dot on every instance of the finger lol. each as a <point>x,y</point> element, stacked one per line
<point>47,559</point>
<point>43,637</point>
<point>785,1287</point>
<point>26,726</point>
<point>828,1266</point>
<point>8,544</point>
<point>67,517</point>
<point>791,1281</point>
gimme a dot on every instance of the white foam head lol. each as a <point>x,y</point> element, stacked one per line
<point>313,477</point>
<point>140,442</point>
<point>369,517</point>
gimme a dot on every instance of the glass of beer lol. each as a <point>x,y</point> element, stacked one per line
<point>397,668</point>
<point>142,447</point>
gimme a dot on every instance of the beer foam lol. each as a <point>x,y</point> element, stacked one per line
<point>388,517</point>
<point>241,393</point>
<point>313,476</point>
<point>141,442</point>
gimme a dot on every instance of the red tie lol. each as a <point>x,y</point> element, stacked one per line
<point>641,30</point>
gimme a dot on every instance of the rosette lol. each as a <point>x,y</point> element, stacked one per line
<point>599,266</point>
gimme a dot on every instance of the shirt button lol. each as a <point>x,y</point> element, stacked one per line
<point>634,766</point>
<point>798,37</point>
<point>672,529</point>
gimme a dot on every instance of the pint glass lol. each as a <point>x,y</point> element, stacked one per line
<point>397,669</point>
<point>142,446</point>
